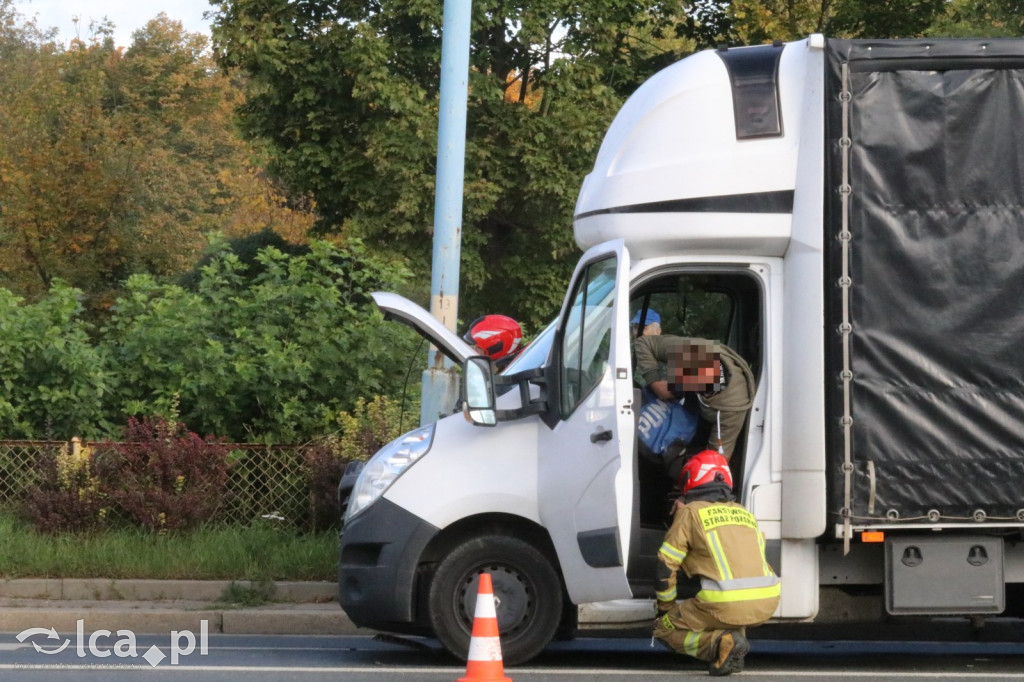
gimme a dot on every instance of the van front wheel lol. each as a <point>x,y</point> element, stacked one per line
<point>527,595</point>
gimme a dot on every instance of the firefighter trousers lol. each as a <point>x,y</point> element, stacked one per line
<point>691,629</point>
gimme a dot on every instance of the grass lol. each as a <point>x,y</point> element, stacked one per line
<point>255,594</point>
<point>259,553</point>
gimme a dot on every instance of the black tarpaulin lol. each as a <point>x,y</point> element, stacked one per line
<point>936,258</point>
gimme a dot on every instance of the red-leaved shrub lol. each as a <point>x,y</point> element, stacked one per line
<point>66,497</point>
<point>323,469</point>
<point>162,475</point>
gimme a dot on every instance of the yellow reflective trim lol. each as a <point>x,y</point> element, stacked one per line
<point>718,515</point>
<point>671,552</point>
<point>746,594</point>
<point>764,558</point>
<point>667,622</point>
<point>691,643</point>
<point>667,595</point>
<point>718,554</point>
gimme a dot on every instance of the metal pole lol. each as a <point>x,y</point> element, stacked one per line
<point>440,380</point>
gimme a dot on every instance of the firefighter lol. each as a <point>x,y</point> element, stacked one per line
<point>715,539</point>
<point>499,337</point>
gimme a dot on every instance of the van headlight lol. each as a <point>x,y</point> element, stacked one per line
<point>386,466</point>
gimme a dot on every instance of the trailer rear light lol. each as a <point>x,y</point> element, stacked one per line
<point>872,536</point>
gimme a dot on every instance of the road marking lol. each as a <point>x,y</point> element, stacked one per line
<point>947,675</point>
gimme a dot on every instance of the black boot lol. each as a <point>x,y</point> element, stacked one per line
<point>729,652</point>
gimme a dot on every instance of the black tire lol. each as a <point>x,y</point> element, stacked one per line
<point>527,591</point>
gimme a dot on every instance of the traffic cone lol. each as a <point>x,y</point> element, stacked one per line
<point>483,664</point>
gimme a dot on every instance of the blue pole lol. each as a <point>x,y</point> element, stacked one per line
<point>440,380</point>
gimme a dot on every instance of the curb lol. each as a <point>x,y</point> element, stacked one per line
<point>84,589</point>
<point>162,606</point>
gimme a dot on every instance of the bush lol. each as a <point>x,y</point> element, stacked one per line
<point>323,468</point>
<point>264,352</point>
<point>367,428</point>
<point>55,380</point>
<point>68,496</point>
<point>163,476</point>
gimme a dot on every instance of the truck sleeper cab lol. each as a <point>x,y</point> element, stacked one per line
<point>870,273</point>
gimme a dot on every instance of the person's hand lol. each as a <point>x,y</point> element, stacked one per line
<point>664,607</point>
<point>660,389</point>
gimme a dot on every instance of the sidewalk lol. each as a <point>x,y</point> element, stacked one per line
<point>160,606</point>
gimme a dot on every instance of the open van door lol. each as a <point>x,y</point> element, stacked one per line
<point>586,465</point>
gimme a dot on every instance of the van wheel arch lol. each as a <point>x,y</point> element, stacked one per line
<point>533,604</point>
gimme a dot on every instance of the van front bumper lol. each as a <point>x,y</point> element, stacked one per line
<point>380,549</point>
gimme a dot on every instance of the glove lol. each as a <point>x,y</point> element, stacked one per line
<point>664,607</point>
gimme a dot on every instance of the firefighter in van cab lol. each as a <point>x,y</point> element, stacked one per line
<point>715,539</point>
<point>499,337</point>
<point>717,377</point>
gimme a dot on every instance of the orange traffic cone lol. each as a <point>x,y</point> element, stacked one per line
<point>483,663</point>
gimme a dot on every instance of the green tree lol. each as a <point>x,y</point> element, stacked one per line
<point>117,162</point>
<point>753,22</point>
<point>346,95</point>
<point>989,18</point>
<point>56,382</point>
<point>869,19</point>
<point>273,355</point>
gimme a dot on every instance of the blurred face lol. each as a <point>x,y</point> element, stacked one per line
<point>694,368</point>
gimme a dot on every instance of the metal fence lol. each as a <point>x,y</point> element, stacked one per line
<point>263,481</point>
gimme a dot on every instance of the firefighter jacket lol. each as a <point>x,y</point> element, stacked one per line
<point>719,543</point>
<point>725,409</point>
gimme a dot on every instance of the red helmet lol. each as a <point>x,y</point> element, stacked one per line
<point>705,467</point>
<point>498,336</point>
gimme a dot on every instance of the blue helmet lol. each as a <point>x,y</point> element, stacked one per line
<point>652,317</point>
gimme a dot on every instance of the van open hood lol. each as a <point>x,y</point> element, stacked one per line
<point>403,310</point>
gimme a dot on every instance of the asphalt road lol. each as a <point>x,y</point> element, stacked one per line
<point>959,654</point>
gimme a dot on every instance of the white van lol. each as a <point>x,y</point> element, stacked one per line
<point>847,215</point>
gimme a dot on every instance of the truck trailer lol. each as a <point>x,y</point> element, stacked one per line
<point>848,215</point>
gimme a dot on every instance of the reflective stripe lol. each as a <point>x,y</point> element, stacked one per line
<point>672,553</point>
<point>691,643</point>
<point>667,595</point>
<point>738,583</point>
<point>667,622</point>
<point>749,594</point>
<point>764,559</point>
<point>721,562</point>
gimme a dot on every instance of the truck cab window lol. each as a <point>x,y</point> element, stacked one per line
<point>586,341</point>
<point>724,307</point>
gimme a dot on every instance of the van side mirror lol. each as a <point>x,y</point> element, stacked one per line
<point>478,391</point>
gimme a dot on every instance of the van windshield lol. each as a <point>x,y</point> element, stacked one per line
<point>536,353</point>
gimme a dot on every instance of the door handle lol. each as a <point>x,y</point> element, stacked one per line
<point>600,436</point>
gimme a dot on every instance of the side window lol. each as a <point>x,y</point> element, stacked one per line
<point>693,312</point>
<point>725,306</point>
<point>586,342</point>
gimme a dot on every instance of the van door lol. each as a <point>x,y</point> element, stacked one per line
<point>586,464</point>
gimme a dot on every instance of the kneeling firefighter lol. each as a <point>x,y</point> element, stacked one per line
<point>715,539</point>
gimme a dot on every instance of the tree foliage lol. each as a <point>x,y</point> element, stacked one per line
<point>272,355</point>
<point>740,22</point>
<point>55,379</point>
<point>115,162</point>
<point>988,18</point>
<point>346,93</point>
